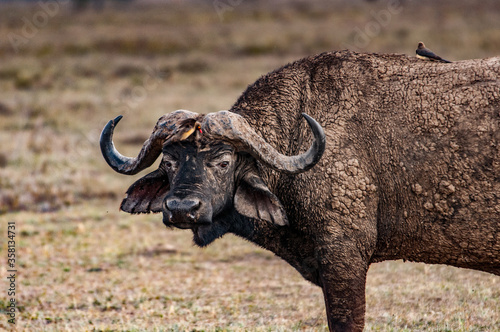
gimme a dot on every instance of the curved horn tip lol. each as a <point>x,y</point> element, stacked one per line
<point>319,139</point>
<point>112,157</point>
<point>315,126</point>
<point>117,119</point>
<point>309,118</point>
<point>108,128</point>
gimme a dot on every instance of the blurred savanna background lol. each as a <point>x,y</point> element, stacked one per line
<point>67,67</point>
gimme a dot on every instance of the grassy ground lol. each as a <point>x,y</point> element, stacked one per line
<point>85,266</point>
<point>90,267</point>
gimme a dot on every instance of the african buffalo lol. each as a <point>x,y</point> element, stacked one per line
<point>407,166</point>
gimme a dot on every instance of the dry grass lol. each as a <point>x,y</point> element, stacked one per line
<point>84,266</point>
<point>90,267</point>
<point>117,272</point>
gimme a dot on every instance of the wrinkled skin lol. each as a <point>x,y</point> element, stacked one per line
<point>206,176</point>
<point>205,187</point>
<point>411,171</point>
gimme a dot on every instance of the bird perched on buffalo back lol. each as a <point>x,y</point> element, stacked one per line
<point>426,54</point>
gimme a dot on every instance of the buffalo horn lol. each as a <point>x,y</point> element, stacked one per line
<point>151,149</point>
<point>234,128</point>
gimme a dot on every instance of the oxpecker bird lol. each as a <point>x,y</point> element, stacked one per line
<point>426,54</point>
<point>187,128</point>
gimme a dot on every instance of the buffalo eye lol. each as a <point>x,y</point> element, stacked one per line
<point>169,162</point>
<point>223,164</point>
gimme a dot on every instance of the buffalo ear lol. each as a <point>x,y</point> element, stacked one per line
<point>146,194</point>
<point>253,199</point>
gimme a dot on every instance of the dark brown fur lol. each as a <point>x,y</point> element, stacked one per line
<point>411,169</point>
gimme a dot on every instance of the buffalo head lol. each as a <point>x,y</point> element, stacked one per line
<point>208,177</point>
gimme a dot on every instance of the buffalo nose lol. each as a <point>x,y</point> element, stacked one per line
<point>183,206</point>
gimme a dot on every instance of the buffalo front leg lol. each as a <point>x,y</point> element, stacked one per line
<point>343,279</point>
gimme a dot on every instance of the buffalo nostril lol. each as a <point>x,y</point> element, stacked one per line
<point>183,206</point>
<point>194,204</point>
<point>188,205</point>
<point>172,204</point>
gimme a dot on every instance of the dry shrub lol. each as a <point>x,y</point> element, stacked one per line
<point>127,70</point>
<point>8,73</point>
<point>140,46</point>
<point>193,66</point>
<point>5,110</point>
<point>3,160</point>
<point>26,79</point>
